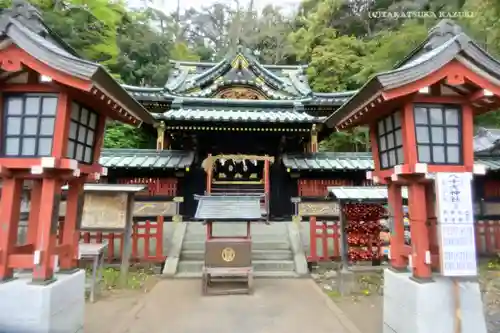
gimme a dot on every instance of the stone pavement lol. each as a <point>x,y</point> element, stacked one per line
<point>277,306</point>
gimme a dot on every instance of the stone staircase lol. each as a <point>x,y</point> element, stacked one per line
<point>272,253</point>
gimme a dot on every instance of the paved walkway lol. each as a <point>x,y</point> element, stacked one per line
<point>277,306</point>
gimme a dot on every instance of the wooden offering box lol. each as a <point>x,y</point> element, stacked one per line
<point>228,259</point>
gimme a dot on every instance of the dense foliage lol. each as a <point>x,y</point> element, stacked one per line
<point>341,41</point>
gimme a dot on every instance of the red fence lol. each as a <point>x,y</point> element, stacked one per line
<point>325,239</point>
<point>319,187</point>
<point>147,241</point>
<point>154,186</point>
<point>487,237</point>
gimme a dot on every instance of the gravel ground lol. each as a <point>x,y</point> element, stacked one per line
<point>367,299</point>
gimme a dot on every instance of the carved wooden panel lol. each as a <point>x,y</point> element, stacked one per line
<point>143,208</point>
<point>154,208</point>
<point>319,208</point>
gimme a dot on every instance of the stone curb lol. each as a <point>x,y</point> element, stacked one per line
<point>299,255</point>
<point>172,261</point>
<point>341,316</point>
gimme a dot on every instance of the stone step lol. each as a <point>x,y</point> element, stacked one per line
<point>256,245</point>
<point>256,255</point>
<point>258,274</point>
<point>195,266</point>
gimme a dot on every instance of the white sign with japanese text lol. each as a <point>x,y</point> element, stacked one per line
<point>455,215</point>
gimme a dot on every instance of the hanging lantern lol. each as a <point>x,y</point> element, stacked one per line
<point>222,161</point>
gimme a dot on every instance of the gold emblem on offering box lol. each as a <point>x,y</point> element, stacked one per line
<point>228,254</point>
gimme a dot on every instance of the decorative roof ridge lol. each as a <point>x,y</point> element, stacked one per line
<point>209,63</point>
<point>238,102</point>
<point>207,75</point>
<point>192,63</point>
<point>346,93</point>
<point>30,17</point>
<point>266,72</point>
<point>429,56</point>
<point>41,46</point>
<point>331,154</point>
<point>438,56</point>
<point>444,29</point>
<point>274,66</point>
<point>142,151</point>
<point>143,89</point>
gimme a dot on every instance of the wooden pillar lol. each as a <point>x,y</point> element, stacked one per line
<point>35,200</point>
<point>210,162</point>
<point>266,177</point>
<point>430,197</point>
<point>70,236</point>
<point>398,261</point>
<point>61,126</point>
<point>160,139</point>
<point>419,231</point>
<point>314,140</point>
<point>99,139</point>
<point>47,227</point>
<point>10,210</point>
<point>267,188</point>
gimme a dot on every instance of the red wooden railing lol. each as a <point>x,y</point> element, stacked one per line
<point>327,234</point>
<point>155,186</point>
<point>487,237</point>
<point>325,239</point>
<point>319,187</point>
<point>147,241</point>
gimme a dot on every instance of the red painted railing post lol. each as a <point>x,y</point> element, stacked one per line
<point>159,239</point>
<point>312,238</point>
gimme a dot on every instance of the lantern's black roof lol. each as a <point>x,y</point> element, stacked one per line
<point>23,26</point>
<point>445,42</point>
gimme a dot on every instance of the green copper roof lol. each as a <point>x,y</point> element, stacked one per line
<point>329,161</point>
<point>323,161</point>
<point>491,163</point>
<point>240,115</point>
<point>363,192</point>
<point>146,159</point>
<point>196,109</point>
<point>238,67</point>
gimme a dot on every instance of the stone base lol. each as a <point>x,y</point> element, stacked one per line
<point>26,307</point>
<point>413,307</point>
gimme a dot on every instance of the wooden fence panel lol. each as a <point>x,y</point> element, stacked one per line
<point>324,240</point>
<point>147,242</point>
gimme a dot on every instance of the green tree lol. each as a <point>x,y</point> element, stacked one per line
<point>125,136</point>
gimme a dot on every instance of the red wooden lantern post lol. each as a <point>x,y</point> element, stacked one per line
<point>54,106</point>
<point>420,117</point>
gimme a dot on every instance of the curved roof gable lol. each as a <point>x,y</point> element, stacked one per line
<point>237,68</point>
